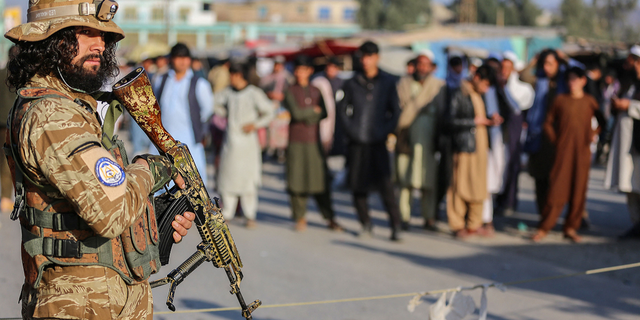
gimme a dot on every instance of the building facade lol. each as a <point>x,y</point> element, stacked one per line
<point>328,12</point>
<point>206,25</point>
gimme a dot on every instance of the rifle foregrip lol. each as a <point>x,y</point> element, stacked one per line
<point>182,271</point>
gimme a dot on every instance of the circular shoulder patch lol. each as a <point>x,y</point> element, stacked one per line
<point>109,172</point>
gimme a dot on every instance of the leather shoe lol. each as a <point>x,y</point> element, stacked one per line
<point>395,235</point>
<point>334,226</point>
<point>633,233</point>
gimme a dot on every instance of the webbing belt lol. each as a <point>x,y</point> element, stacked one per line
<point>54,220</point>
<point>62,248</point>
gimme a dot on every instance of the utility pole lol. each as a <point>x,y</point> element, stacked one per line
<point>468,12</point>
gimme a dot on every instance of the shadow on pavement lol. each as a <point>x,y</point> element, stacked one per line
<point>491,266</point>
<point>202,304</point>
<point>275,197</point>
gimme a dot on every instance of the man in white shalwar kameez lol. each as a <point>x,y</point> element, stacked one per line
<point>247,108</point>
<point>623,167</point>
<point>496,157</point>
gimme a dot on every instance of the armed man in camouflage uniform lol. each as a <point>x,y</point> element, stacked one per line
<point>89,234</point>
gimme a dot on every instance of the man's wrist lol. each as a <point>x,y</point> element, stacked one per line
<point>140,160</point>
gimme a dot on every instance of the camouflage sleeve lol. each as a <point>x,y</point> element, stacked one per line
<point>61,146</point>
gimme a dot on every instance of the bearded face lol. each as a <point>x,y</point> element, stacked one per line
<point>87,70</point>
<point>88,77</point>
<point>424,67</point>
<point>84,57</point>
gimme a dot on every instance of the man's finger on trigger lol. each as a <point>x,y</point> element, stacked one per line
<point>179,181</point>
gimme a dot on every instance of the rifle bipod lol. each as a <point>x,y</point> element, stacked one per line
<point>176,276</point>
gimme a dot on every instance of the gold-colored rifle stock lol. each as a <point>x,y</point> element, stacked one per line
<point>135,93</point>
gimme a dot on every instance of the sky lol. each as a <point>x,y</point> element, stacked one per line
<point>547,4</point>
<point>11,3</point>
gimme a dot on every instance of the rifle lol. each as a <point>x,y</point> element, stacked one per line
<point>135,93</point>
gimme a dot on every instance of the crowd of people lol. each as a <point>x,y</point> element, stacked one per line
<point>89,237</point>
<point>459,140</point>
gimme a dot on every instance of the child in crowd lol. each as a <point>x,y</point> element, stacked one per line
<point>568,127</point>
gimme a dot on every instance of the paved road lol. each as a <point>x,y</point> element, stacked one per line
<point>283,266</point>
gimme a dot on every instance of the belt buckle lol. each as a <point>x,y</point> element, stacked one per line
<point>68,248</point>
<point>64,222</point>
<point>84,9</point>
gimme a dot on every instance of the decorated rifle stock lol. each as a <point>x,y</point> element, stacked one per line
<point>135,93</point>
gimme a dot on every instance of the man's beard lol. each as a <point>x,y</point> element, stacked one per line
<point>90,80</point>
<point>419,77</point>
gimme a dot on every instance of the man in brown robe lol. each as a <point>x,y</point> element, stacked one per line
<point>306,164</point>
<point>568,127</point>
<point>467,123</point>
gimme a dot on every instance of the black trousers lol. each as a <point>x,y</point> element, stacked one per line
<point>385,188</point>
<point>542,192</point>
<point>508,199</point>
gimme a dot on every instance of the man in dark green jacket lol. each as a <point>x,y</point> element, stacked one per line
<point>306,165</point>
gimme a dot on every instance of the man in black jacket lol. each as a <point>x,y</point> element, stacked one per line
<point>369,112</point>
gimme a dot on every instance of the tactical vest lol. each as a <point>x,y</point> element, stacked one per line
<point>52,233</point>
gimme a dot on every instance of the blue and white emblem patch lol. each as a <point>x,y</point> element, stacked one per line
<point>109,173</point>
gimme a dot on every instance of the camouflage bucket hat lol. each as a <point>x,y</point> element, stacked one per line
<point>46,17</point>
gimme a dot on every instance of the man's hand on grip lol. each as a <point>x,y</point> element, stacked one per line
<point>182,224</point>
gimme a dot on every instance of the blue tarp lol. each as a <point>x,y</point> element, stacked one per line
<point>498,45</point>
<point>536,45</point>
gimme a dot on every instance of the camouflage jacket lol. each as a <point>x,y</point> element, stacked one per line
<point>60,145</point>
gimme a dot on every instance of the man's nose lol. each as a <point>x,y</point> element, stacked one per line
<point>98,44</point>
